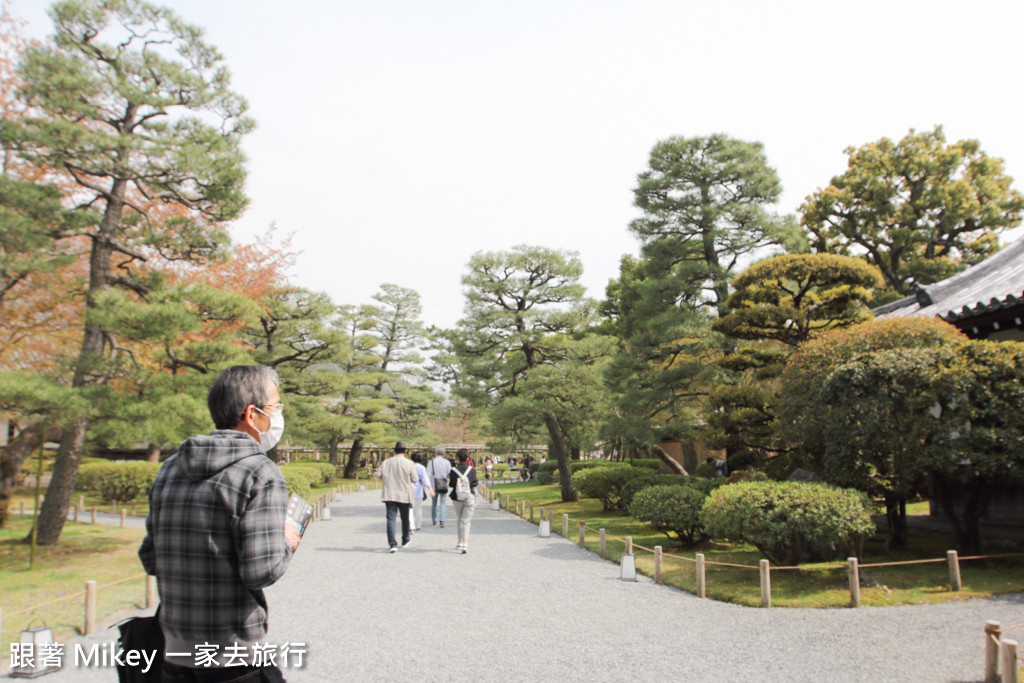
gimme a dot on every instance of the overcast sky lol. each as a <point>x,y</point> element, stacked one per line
<point>397,138</point>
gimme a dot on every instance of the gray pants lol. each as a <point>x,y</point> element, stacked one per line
<point>464,512</point>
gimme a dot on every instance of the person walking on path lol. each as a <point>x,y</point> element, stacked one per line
<point>398,475</point>
<point>462,481</point>
<point>438,471</point>
<point>216,534</point>
<point>420,490</point>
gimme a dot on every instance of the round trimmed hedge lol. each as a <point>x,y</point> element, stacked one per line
<point>790,521</point>
<point>117,482</point>
<point>672,509</point>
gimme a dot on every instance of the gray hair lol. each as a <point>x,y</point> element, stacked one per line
<point>237,388</point>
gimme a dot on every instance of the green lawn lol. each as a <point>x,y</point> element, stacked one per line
<point>809,586</point>
<point>86,552</point>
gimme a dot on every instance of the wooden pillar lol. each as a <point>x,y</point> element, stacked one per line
<point>1008,658</point>
<point>657,564</point>
<point>90,608</point>
<point>565,526</point>
<point>604,544</point>
<point>150,591</point>
<point>991,651</point>
<point>954,570</point>
<point>854,582</point>
<point>629,545</point>
<point>583,534</point>
<point>124,518</point>
<point>701,580</point>
<point>766,584</point>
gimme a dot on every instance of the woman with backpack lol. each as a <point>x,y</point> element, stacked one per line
<point>462,483</point>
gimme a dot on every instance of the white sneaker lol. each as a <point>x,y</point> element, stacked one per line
<point>393,549</point>
<point>465,550</point>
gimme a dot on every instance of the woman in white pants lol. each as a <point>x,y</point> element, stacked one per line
<point>462,483</point>
<point>420,490</point>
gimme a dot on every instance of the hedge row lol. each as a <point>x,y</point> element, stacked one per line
<point>117,482</point>
<point>789,522</point>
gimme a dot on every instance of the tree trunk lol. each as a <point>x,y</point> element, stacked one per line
<point>54,510</point>
<point>561,449</point>
<point>13,457</point>
<point>153,453</point>
<point>333,452</point>
<point>665,458</point>
<point>977,502</point>
<point>354,455</point>
<point>896,521</point>
<point>948,505</point>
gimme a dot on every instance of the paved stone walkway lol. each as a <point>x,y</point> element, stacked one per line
<point>523,608</point>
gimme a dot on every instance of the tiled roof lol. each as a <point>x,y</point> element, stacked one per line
<point>995,283</point>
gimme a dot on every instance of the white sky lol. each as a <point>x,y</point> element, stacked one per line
<point>397,138</point>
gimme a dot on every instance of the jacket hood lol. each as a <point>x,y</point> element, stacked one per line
<point>202,456</point>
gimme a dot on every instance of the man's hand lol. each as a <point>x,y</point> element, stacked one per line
<point>291,532</point>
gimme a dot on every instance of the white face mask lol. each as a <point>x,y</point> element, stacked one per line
<point>272,436</point>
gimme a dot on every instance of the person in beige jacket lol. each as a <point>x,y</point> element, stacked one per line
<point>398,475</point>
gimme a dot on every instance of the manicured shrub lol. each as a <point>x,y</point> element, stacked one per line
<point>500,470</point>
<point>312,475</point>
<point>652,464</point>
<point>326,469</point>
<point>790,522</point>
<point>117,482</point>
<point>297,481</point>
<point>604,483</point>
<point>672,510</point>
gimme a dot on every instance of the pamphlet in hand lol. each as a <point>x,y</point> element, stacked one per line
<point>299,513</point>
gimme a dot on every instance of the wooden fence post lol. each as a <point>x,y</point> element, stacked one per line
<point>657,564</point>
<point>93,514</point>
<point>701,582</point>
<point>531,510</point>
<point>991,651</point>
<point>150,590</point>
<point>90,607</point>
<point>629,545</point>
<point>565,526</point>
<point>1008,655</point>
<point>766,584</point>
<point>583,534</point>
<point>854,582</point>
<point>124,518</point>
<point>954,570</point>
<point>603,542</point>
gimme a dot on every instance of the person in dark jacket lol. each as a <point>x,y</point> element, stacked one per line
<point>217,535</point>
<point>465,503</point>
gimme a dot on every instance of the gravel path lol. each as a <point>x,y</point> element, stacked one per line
<point>523,608</point>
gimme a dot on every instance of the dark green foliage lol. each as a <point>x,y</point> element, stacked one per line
<point>326,469</point>
<point>311,474</point>
<point>790,522</point>
<point>604,483</point>
<point>117,482</point>
<point>920,209</point>
<point>675,509</point>
<point>297,481</point>
<point>644,480</point>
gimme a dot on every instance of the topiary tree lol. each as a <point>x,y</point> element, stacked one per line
<point>117,482</point>
<point>604,483</point>
<point>672,509</point>
<point>790,522</point>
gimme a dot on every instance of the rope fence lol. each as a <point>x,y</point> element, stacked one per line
<point>701,563</point>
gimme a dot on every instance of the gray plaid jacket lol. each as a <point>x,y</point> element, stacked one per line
<point>215,537</point>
